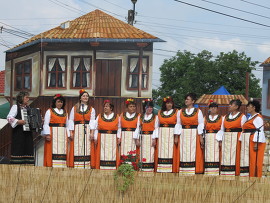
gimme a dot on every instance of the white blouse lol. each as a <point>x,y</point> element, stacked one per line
<point>243,120</point>
<point>147,117</point>
<point>200,119</point>
<point>47,119</point>
<point>220,132</point>
<point>258,123</point>
<point>92,118</point>
<point>108,117</point>
<point>12,114</point>
<point>177,127</point>
<point>137,130</point>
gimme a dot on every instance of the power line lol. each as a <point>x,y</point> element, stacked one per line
<point>116,5</point>
<point>207,39</point>
<point>202,30</point>
<point>198,22</point>
<point>101,8</point>
<point>224,14</point>
<point>236,9</point>
<point>25,32</point>
<point>262,6</point>
<point>68,7</point>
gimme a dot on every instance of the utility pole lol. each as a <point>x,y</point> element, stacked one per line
<point>131,13</point>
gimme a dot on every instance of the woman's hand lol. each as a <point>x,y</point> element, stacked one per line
<point>48,138</point>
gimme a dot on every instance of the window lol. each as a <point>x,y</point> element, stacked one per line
<point>133,72</point>
<point>81,72</point>
<point>23,75</point>
<point>56,71</point>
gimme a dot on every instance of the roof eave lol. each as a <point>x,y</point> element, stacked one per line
<point>85,41</point>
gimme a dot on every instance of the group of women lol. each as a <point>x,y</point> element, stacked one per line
<point>179,141</point>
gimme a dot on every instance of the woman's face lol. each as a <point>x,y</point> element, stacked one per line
<point>213,110</point>
<point>169,106</point>
<point>131,108</point>
<point>149,110</point>
<point>107,108</point>
<point>25,100</point>
<point>233,107</point>
<point>59,103</point>
<point>189,101</point>
<point>250,108</point>
<point>85,97</point>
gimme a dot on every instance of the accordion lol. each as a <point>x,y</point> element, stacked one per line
<point>32,118</point>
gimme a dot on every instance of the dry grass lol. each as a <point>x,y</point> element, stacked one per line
<point>40,184</point>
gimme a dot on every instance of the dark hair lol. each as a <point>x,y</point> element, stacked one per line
<point>20,96</point>
<point>193,96</point>
<point>61,98</point>
<point>237,102</point>
<point>163,108</point>
<point>213,104</point>
<point>147,104</point>
<point>256,104</point>
<point>111,105</point>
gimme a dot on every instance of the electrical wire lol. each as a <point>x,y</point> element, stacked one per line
<point>224,14</point>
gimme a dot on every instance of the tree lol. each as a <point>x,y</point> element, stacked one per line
<point>203,74</point>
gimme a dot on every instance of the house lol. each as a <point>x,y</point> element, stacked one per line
<point>266,92</point>
<point>97,52</point>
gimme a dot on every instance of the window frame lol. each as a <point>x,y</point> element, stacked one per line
<point>47,71</point>
<point>128,73</point>
<point>72,71</point>
<point>22,76</point>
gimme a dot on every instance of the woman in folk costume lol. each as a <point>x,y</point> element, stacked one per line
<point>81,126</point>
<point>107,138</point>
<point>22,147</point>
<point>252,142</point>
<point>168,121</point>
<point>232,126</point>
<point>149,133</point>
<point>212,146</point>
<point>55,132</point>
<point>130,129</point>
<point>191,139</point>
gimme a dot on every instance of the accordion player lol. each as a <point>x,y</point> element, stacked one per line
<point>32,118</point>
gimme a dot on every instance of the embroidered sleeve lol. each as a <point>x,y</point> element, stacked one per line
<point>71,119</point>
<point>178,126</point>
<point>11,116</point>
<point>258,123</point>
<point>46,127</point>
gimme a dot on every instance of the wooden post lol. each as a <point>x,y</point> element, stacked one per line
<point>94,45</point>
<point>141,46</point>
<point>41,69</point>
<point>247,85</point>
<point>140,72</point>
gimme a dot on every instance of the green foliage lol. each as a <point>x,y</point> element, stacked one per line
<point>203,73</point>
<point>124,176</point>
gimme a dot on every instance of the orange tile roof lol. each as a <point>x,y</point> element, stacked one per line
<point>220,99</point>
<point>2,82</point>
<point>266,62</point>
<point>93,25</point>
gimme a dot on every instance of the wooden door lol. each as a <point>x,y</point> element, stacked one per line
<point>108,77</point>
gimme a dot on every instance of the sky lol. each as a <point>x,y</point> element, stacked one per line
<point>183,27</point>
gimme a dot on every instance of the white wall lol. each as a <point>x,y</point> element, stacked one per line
<point>266,77</point>
<point>35,57</point>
